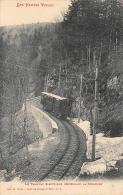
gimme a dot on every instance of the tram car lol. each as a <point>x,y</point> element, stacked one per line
<point>57,105</point>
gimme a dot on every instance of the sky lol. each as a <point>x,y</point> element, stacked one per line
<point>15,12</point>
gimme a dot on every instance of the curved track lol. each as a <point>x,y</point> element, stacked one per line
<point>67,159</point>
<point>69,156</point>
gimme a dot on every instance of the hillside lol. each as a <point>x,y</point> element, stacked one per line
<point>53,57</point>
<point>21,54</point>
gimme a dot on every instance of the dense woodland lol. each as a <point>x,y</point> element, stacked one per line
<point>52,57</point>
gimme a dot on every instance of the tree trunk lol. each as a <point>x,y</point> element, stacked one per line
<point>59,82</point>
<point>89,57</point>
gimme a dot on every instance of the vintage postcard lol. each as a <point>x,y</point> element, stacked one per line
<point>61,97</point>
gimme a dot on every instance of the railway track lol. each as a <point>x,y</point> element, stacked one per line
<point>68,158</point>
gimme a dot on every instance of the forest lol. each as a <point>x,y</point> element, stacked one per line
<point>53,56</point>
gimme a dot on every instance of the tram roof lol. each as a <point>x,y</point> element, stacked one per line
<point>54,96</point>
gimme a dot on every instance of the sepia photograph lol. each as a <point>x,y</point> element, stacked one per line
<point>61,96</point>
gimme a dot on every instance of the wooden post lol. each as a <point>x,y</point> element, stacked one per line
<point>94,116</point>
<point>80,98</point>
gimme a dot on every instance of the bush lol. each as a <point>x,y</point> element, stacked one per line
<point>114,128</point>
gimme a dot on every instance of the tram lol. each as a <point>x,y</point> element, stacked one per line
<point>57,105</point>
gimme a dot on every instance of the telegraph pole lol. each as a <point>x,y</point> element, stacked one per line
<point>95,115</point>
<point>80,98</point>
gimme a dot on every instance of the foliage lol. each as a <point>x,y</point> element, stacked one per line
<point>90,35</point>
